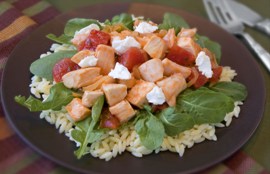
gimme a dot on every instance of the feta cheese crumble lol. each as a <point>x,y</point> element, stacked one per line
<point>83,33</point>
<point>122,46</point>
<point>145,27</point>
<point>88,61</point>
<point>156,96</point>
<point>204,64</point>
<point>120,72</point>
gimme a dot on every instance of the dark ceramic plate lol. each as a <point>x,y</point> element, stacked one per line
<point>46,140</point>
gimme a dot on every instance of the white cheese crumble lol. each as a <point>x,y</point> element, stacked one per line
<point>156,96</point>
<point>204,64</point>
<point>145,27</point>
<point>83,33</point>
<point>120,72</point>
<point>88,61</point>
<point>122,46</point>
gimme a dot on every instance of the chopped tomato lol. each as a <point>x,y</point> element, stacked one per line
<point>94,39</point>
<point>62,67</point>
<point>132,57</point>
<point>109,121</point>
<point>216,74</point>
<point>181,56</point>
<point>156,108</point>
<point>201,80</point>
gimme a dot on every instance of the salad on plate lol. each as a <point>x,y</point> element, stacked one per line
<point>130,84</point>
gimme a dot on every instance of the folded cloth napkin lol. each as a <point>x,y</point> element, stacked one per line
<point>17,19</point>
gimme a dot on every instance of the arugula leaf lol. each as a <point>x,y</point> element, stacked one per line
<point>43,67</point>
<point>235,90</point>
<point>90,135</point>
<point>205,105</point>
<point>171,20</point>
<point>63,39</point>
<point>59,96</point>
<point>212,46</point>
<point>76,24</point>
<point>123,18</point>
<point>175,122</point>
<point>150,130</point>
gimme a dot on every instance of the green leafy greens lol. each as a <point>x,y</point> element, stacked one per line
<point>124,19</point>
<point>212,46</point>
<point>171,20</point>
<point>71,27</point>
<point>235,90</point>
<point>43,67</point>
<point>59,96</point>
<point>150,129</point>
<point>87,133</point>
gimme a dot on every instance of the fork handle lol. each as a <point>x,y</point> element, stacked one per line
<point>259,50</point>
<point>264,26</point>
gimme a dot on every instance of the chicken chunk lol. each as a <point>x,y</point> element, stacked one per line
<point>172,86</point>
<point>97,84</point>
<point>81,77</point>
<point>171,68</point>
<point>81,55</point>
<point>123,111</point>
<point>170,38</point>
<point>77,110</point>
<point>106,59</point>
<point>189,45</point>
<point>152,70</point>
<point>137,94</point>
<point>129,83</point>
<point>90,97</point>
<point>114,93</point>
<point>187,32</point>
<point>155,47</point>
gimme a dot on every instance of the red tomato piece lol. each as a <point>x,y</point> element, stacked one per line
<point>94,39</point>
<point>216,74</point>
<point>201,80</point>
<point>156,108</point>
<point>181,56</point>
<point>109,121</point>
<point>62,67</point>
<point>132,57</point>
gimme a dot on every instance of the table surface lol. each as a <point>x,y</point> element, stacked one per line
<point>255,147</point>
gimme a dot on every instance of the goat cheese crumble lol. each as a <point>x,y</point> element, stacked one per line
<point>204,64</point>
<point>122,46</point>
<point>156,96</point>
<point>120,72</point>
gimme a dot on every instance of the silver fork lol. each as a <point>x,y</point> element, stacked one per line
<point>218,13</point>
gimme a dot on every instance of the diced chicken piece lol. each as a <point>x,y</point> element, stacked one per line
<point>106,59</point>
<point>81,77</point>
<point>97,85</point>
<point>90,97</point>
<point>152,70</point>
<point>187,32</point>
<point>171,68</point>
<point>155,47</point>
<point>137,94</point>
<point>81,55</point>
<point>170,38</point>
<point>123,111</point>
<point>189,45</point>
<point>129,83</point>
<point>172,86</point>
<point>114,93</point>
<point>77,110</point>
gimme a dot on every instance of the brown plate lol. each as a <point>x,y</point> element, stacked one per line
<point>47,141</point>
